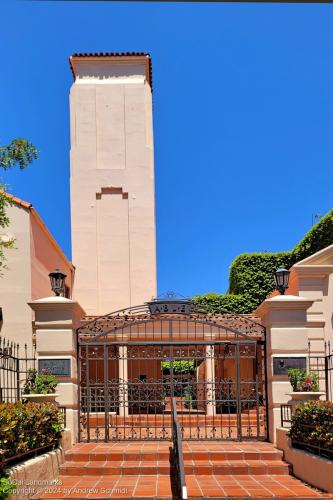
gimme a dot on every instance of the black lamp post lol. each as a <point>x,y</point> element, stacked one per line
<point>281,278</point>
<point>57,279</point>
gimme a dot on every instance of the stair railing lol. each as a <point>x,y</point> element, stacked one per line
<point>177,449</point>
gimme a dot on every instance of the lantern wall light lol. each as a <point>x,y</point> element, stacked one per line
<point>57,279</point>
<point>281,278</point>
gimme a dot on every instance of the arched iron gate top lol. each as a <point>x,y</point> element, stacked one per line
<point>139,317</point>
<point>128,362</point>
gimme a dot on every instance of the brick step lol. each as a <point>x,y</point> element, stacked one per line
<point>215,470</point>
<point>124,487</point>
<point>210,456</point>
<point>199,487</point>
<point>280,487</point>
<point>236,467</point>
<point>115,469</point>
<point>130,468</point>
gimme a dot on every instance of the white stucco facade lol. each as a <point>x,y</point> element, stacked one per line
<point>313,279</point>
<point>112,182</point>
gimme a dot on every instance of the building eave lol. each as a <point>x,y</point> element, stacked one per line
<point>114,56</point>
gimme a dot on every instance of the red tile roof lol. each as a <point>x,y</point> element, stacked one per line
<point>116,55</point>
<point>18,201</point>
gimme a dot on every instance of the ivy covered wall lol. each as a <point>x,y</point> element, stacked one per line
<point>251,274</point>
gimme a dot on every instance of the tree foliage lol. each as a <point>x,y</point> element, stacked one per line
<point>19,152</point>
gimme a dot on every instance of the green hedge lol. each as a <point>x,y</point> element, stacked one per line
<point>251,274</point>
<point>24,427</point>
<point>214,303</point>
<point>312,427</point>
<point>179,367</point>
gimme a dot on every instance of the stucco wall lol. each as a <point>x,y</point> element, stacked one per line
<point>15,284</point>
<point>112,186</point>
<point>26,277</point>
<point>45,257</point>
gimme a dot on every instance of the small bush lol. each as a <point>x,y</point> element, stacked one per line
<point>24,427</point>
<point>7,487</point>
<point>312,426</point>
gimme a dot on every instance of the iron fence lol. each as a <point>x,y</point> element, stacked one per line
<point>322,364</point>
<point>286,414</point>
<point>14,368</point>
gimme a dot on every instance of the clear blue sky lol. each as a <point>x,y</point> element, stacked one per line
<point>243,120</point>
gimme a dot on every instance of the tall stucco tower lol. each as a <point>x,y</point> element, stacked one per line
<point>112,181</point>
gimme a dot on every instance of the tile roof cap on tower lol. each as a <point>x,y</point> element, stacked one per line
<point>144,56</point>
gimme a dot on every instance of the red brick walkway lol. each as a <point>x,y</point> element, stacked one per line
<point>250,470</point>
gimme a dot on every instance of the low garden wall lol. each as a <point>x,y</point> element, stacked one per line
<point>312,469</point>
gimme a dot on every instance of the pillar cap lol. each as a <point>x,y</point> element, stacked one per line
<point>283,302</point>
<point>54,302</point>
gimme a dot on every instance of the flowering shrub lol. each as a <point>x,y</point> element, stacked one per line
<point>40,383</point>
<point>312,427</point>
<point>25,427</point>
<point>302,381</point>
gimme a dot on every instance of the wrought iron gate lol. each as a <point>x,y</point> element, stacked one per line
<point>131,367</point>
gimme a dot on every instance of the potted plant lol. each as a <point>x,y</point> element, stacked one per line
<point>305,385</point>
<point>40,387</point>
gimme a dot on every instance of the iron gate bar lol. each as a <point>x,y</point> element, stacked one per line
<point>106,405</point>
<point>198,312</point>
<point>197,321</point>
<point>178,342</point>
<point>238,396</point>
<point>257,390</point>
<point>263,343</point>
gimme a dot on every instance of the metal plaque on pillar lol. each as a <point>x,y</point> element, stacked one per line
<point>55,366</point>
<point>282,365</point>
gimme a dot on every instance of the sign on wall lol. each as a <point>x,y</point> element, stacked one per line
<point>59,367</point>
<point>282,365</point>
<point>171,307</point>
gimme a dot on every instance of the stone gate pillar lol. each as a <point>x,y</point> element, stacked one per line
<point>285,319</point>
<point>56,320</point>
